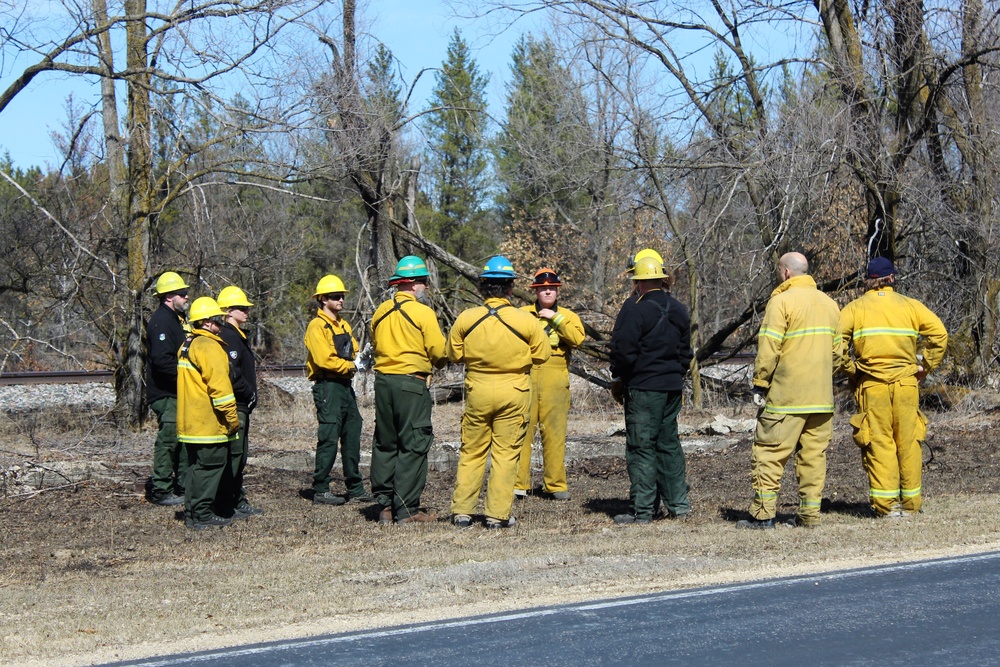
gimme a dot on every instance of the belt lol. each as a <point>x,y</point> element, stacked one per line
<point>420,376</point>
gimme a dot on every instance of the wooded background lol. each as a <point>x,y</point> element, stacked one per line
<point>266,143</point>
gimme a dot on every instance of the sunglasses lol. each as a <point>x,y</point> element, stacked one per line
<point>335,297</point>
<point>242,309</point>
<point>183,294</point>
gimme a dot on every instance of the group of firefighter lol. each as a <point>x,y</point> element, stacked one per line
<point>201,383</point>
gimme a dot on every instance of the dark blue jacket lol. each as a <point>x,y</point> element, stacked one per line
<point>164,337</point>
<point>242,367</point>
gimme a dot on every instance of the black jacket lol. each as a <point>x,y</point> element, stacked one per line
<point>242,367</point>
<point>651,343</point>
<point>164,337</point>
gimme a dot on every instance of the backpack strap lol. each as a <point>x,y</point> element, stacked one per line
<point>397,306</point>
<point>185,352</point>
<point>492,312</point>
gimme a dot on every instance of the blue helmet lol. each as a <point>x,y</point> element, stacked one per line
<point>498,267</point>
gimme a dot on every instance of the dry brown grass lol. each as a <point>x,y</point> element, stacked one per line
<point>93,573</point>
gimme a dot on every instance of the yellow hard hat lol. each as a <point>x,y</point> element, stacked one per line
<point>648,268</point>
<point>169,282</point>
<point>233,296</point>
<point>330,284</point>
<point>648,252</point>
<point>203,308</point>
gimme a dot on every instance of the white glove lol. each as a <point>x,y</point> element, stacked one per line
<point>364,359</point>
<point>758,397</point>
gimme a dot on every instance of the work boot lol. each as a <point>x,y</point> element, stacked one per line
<point>418,517</point>
<point>385,516</point>
<point>167,500</point>
<point>756,524</point>
<point>327,498</point>
<point>245,510</point>
<point>497,524</point>
<point>626,519</point>
<point>461,520</point>
<point>683,517</point>
<point>215,521</point>
<point>363,497</point>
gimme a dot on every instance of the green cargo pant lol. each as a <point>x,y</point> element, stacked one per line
<point>169,460</point>
<point>653,453</point>
<point>403,436</point>
<point>339,421</point>
<point>206,464</point>
<point>231,491</point>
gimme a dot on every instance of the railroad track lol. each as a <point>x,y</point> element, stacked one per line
<point>85,377</point>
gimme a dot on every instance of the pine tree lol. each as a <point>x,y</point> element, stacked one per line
<point>457,156</point>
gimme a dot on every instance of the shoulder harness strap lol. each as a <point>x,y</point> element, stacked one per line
<point>185,352</point>
<point>397,306</point>
<point>492,312</point>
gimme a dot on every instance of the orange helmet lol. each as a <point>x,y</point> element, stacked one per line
<point>546,277</point>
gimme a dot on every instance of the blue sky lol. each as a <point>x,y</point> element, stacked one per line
<point>416,31</point>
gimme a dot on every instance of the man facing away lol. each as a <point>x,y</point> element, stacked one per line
<point>793,380</point>
<point>164,337</point>
<point>877,349</point>
<point>206,413</point>
<point>498,345</point>
<point>332,360</point>
<point>550,397</point>
<point>234,303</point>
<point>409,345</point>
<point>650,355</point>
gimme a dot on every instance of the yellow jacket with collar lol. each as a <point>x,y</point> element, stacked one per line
<point>883,327</point>
<point>564,332</point>
<point>508,342</point>
<point>206,405</point>
<point>407,337</point>
<point>322,360</point>
<point>795,354</point>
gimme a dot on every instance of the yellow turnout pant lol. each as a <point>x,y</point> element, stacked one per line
<point>494,426</point>
<point>777,437</point>
<point>549,412</point>
<point>889,427</point>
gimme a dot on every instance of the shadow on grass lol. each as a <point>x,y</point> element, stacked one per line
<point>607,506</point>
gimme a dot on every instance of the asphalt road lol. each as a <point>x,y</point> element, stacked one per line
<point>937,612</point>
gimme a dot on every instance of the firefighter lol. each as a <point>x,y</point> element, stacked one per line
<point>164,336</point>
<point>793,384</point>
<point>332,360</point>
<point>498,344</point>
<point>616,383</point>
<point>650,353</point>
<point>550,397</point>
<point>409,345</point>
<point>233,497</point>
<point>877,349</point>
<point>206,413</point>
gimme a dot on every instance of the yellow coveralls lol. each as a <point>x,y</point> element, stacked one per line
<point>883,328</point>
<point>550,401</point>
<point>794,365</point>
<point>498,352</point>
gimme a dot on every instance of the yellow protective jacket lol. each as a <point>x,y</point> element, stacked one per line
<point>795,349</point>
<point>407,337</point>
<point>323,361</point>
<point>564,331</point>
<point>883,327</point>
<point>206,405</point>
<point>508,341</point>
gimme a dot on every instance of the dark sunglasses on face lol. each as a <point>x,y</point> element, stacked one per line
<point>242,309</point>
<point>335,297</point>
<point>181,294</point>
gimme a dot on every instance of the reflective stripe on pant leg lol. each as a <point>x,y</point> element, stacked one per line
<point>774,441</point>
<point>510,428</point>
<point>810,465</point>
<point>905,403</point>
<point>879,457</point>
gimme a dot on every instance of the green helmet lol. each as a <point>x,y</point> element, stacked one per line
<point>409,268</point>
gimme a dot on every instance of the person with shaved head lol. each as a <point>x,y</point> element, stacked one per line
<point>793,385</point>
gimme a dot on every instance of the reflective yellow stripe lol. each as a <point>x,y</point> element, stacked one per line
<point>810,503</point>
<point>910,493</point>
<point>222,400</point>
<point>883,493</point>
<point>185,364</point>
<point>812,331</point>
<point>771,333</point>
<point>765,495</point>
<point>884,331</point>
<point>203,439</point>
<point>798,409</point>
